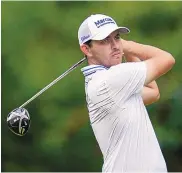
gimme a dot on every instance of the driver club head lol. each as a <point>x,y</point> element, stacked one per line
<point>18,121</point>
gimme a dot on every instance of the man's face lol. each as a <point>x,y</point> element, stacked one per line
<point>107,52</point>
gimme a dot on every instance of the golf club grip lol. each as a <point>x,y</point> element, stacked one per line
<point>53,82</point>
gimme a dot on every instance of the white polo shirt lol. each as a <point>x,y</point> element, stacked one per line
<point>120,120</point>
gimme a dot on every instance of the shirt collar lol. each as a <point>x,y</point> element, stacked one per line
<point>88,70</point>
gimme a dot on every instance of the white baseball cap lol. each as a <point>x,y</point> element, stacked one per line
<point>98,27</point>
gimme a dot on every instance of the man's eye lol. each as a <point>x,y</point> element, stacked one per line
<point>106,39</point>
<point>117,37</point>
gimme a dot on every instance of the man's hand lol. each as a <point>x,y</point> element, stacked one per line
<point>150,92</point>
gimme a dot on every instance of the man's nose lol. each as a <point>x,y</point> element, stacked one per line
<point>114,44</point>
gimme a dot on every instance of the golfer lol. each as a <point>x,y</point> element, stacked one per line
<point>116,95</point>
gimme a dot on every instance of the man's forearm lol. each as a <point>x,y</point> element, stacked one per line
<point>142,51</point>
<point>158,61</point>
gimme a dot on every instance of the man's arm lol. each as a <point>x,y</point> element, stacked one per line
<point>150,92</point>
<point>158,62</point>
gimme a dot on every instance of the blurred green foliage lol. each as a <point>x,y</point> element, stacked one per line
<point>39,42</point>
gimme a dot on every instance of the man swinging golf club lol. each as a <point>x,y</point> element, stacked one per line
<point>116,95</point>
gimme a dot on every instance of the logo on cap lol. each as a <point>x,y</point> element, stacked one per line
<point>104,21</point>
<point>84,37</point>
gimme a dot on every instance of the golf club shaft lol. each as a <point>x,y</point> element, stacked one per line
<point>53,82</point>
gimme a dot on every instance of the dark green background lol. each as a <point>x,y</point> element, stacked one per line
<point>39,42</point>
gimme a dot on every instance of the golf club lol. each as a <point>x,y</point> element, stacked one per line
<point>18,120</point>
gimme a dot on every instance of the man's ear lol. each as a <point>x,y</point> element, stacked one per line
<point>86,50</point>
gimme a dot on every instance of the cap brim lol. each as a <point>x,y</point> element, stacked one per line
<point>102,35</point>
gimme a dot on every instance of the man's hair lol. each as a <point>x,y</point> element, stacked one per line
<point>88,43</point>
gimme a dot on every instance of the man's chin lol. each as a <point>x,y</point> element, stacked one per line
<point>116,62</point>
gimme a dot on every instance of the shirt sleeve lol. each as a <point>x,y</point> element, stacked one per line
<point>126,79</point>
